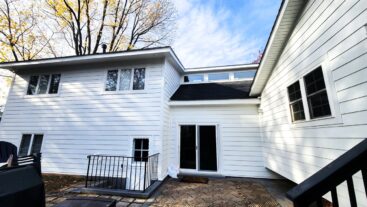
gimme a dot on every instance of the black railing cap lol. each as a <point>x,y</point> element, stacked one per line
<point>124,156</point>
<point>331,175</point>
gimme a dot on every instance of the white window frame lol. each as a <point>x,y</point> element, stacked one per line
<point>334,119</point>
<point>231,77</point>
<point>131,81</point>
<point>48,85</point>
<point>31,142</point>
<point>303,102</point>
<point>141,150</point>
<point>218,143</point>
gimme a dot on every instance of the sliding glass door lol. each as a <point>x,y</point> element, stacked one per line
<point>198,147</point>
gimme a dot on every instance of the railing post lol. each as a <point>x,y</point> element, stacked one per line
<point>87,178</point>
<point>352,195</point>
<point>145,173</point>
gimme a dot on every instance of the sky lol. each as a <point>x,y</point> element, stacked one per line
<point>222,32</point>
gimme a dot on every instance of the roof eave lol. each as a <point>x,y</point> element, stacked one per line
<point>165,52</point>
<point>222,68</point>
<point>290,9</point>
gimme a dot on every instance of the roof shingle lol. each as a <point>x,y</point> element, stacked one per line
<point>213,91</point>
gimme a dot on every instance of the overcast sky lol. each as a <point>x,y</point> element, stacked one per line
<point>222,32</point>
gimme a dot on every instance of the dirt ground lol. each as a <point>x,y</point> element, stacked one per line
<point>216,192</point>
<point>55,183</point>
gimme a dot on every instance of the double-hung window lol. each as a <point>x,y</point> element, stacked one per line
<point>141,150</point>
<point>295,102</point>
<point>43,84</point>
<point>30,144</point>
<point>125,79</point>
<point>315,95</point>
<point>317,99</point>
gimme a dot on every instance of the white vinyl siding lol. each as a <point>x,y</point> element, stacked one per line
<point>240,148</point>
<point>170,85</point>
<point>330,34</point>
<point>83,119</point>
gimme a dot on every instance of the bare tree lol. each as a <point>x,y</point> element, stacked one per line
<point>122,24</point>
<point>20,35</point>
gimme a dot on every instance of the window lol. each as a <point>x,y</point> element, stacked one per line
<point>1,112</point>
<point>295,102</point>
<point>43,84</point>
<point>125,79</point>
<point>193,78</point>
<point>30,143</point>
<point>141,150</point>
<point>218,76</point>
<point>317,99</point>
<point>249,74</point>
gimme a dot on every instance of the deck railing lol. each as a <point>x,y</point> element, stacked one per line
<point>121,172</point>
<point>311,191</point>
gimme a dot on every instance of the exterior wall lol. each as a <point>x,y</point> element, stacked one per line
<point>5,83</point>
<point>331,34</point>
<point>83,119</point>
<point>170,85</point>
<point>240,145</point>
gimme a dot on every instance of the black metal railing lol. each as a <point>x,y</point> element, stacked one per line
<point>121,172</point>
<point>311,191</point>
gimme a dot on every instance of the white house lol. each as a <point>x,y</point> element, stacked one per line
<point>305,106</point>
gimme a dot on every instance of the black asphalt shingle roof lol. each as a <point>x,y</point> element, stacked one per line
<point>213,91</point>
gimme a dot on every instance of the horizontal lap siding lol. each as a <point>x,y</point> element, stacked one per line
<point>240,144</point>
<point>331,34</point>
<point>171,84</point>
<point>82,119</point>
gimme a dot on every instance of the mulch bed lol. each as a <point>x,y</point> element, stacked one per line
<point>55,183</point>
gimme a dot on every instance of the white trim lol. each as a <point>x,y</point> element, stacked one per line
<point>218,148</point>
<point>31,141</point>
<point>47,94</point>
<point>251,101</point>
<point>223,68</point>
<point>130,90</point>
<point>160,52</point>
<point>231,77</point>
<point>288,7</point>
<point>335,118</point>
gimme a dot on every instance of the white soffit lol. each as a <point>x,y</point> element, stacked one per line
<point>282,29</point>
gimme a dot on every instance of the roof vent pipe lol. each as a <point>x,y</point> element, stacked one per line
<point>104,47</point>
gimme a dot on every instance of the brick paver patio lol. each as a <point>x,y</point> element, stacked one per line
<point>217,192</point>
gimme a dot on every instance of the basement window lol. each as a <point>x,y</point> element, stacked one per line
<point>125,79</point>
<point>43,84</point>
<point>295,102</point>
<point>317,98</point>
<point>30,144</point>
<point>141,150</point>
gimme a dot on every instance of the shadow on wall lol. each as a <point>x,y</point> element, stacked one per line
<point>83,120</point>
